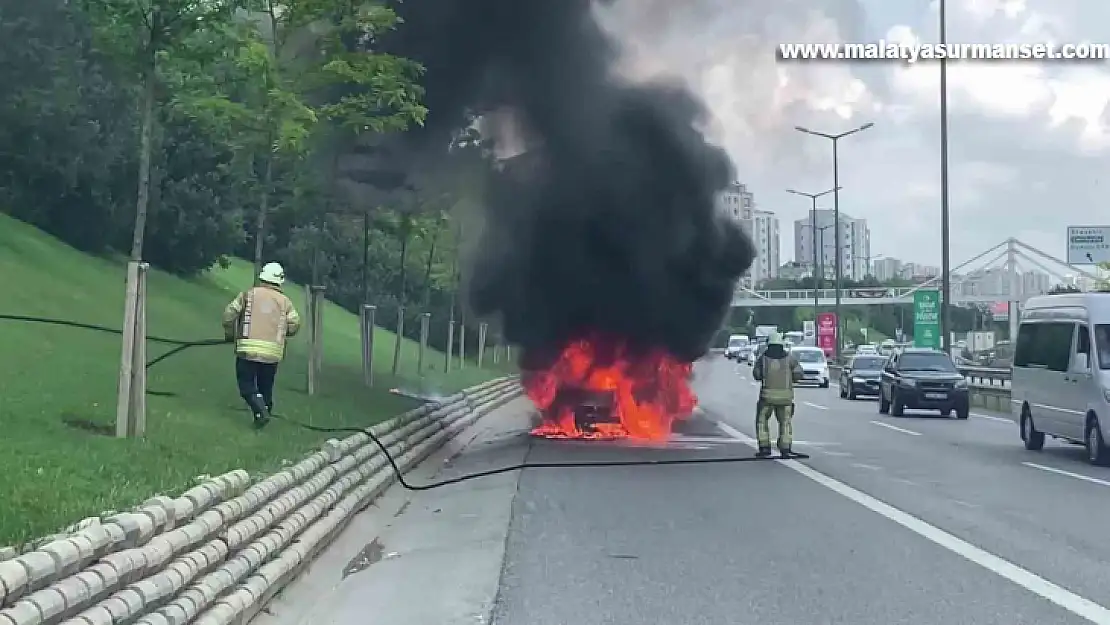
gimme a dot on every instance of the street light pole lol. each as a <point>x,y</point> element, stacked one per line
<point>836,216</point>
<point>813,232</point>
<point>945,252</point>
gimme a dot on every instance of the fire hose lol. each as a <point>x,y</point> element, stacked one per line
<point>180,345</point>
<point>530,465</point>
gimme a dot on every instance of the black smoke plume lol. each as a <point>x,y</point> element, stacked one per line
<point>607,224</point>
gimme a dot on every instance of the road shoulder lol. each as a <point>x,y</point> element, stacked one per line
<point>449,540</point>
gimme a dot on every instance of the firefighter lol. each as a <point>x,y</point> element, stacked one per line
<point>778,371</point>
<point>259,320</point>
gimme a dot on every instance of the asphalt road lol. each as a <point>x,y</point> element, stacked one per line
<point>912,520</point>
<point>776,543</point>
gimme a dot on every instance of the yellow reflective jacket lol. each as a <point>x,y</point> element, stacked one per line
<point>778,376</point>
<point>260,320</point>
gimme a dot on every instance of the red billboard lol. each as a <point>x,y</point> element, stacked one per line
<point>826,333</point>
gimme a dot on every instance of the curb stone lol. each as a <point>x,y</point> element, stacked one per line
<point>217,553</point>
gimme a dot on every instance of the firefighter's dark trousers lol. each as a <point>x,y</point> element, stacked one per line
<point>784,414</point>
<point>256,384</point>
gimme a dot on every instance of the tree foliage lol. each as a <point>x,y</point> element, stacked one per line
<point>174,129</point>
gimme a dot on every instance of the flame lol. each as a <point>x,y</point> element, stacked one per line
<point>649,391</point>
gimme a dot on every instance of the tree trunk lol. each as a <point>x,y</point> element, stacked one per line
<point>263,210</point>
<point>406,234</point>
<point>146,147</point>
<point>428,268</point>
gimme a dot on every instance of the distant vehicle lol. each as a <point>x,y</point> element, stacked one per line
<point>794,338</point>
<point>867,348</point>
<point>886,348</point>
<point>923,379</point>
<point>1061,372</point>
<point>745,354</point>
<point>815,368</point>
<point>861,376</point>
<point>757,351</point>
<point>736,342</point>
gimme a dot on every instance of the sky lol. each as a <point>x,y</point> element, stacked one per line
<point>1029,141</point>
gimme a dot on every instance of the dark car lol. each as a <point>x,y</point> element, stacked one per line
<point>592,408</point>
<point>923,379</point>
<point>861,376</point>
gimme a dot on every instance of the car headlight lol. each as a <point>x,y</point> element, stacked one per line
<point>858,380</point>
<point>909,383</point>
<point>961,384</point>
<point>1106,393</point>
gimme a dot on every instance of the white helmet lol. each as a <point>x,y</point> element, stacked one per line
<point>272,273</point>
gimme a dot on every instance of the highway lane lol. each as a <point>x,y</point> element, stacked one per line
<point>737,544</point>
<point>1041,510</point>
<point>766,542</point>
<point>744,543</point>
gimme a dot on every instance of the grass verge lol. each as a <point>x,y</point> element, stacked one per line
<point>58,387</point>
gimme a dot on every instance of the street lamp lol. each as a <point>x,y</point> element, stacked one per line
<point>836,213</point>
<point>813,224</point>
<point>818,269</point>
<point>945,251</point>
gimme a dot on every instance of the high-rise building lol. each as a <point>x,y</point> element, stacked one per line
<point>855,243</point>
<point>1036,283</point>
<point>917,271</point>
<point>996,281</point>
<point>737,202</point>
<point>765,235</point>
<point>886,269</point>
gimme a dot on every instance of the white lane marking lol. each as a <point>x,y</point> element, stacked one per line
<point>715,440</point>
<point>992,418</point>
<point>1005,569</point>
<point>869,467</point>
<point>896,428</point>
<point>839,454</point>
<point>1078,476</point>
<point>817,406</point>
<point>754,383</point>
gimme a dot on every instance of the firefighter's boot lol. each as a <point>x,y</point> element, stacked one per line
<point>764,452</point>
<point>261,411</point>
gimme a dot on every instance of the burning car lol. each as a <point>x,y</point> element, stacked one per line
<point>597,390</point>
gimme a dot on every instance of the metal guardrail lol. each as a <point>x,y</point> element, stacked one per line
<point>987,376</point>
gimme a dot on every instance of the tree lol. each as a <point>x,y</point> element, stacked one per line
<point>142,35</point>
<point>307,61</point>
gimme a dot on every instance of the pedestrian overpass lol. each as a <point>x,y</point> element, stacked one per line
<point>1016,257</point>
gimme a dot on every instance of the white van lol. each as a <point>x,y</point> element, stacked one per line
<point>1061,372</point>
<point>736,344</point>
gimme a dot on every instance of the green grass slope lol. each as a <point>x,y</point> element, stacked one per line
<point>58,386</point>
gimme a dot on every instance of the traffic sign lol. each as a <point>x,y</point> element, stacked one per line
<point>1088,245</point>
<point>926,318</point>
<point>826,332</point>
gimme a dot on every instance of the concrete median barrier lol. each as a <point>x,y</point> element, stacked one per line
<point>217,553</point>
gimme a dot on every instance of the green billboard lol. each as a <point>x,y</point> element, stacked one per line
<point>926,318</point>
